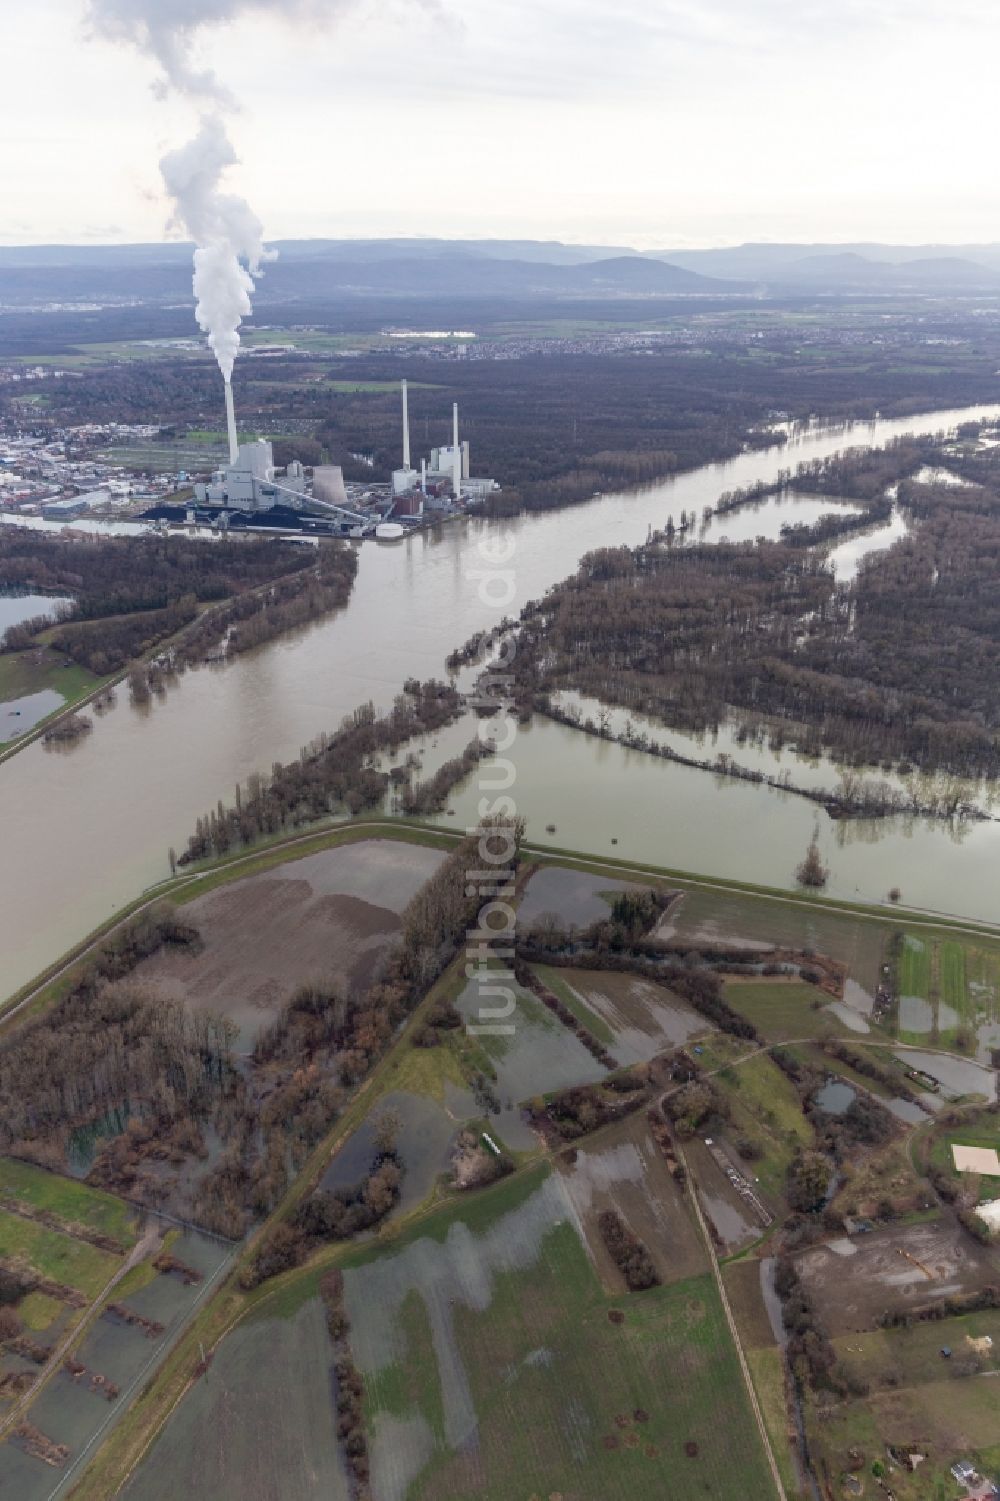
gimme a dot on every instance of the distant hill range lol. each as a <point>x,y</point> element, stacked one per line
<point>318,271</point>
<point>324,270</point>
<point>865,267</point>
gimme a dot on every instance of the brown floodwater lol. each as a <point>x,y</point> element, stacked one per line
<point>84,833</point>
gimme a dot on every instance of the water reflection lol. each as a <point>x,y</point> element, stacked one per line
<point>85,833</point>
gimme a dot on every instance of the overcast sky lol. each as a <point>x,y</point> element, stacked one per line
<point>644,122</point>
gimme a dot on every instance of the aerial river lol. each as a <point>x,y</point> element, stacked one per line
<point>84,830</point>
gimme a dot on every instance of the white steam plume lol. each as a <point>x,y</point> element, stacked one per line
<point>228,235</point>
<point>225,230</point>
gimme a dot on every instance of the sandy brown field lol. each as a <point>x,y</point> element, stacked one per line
<point>854,1281</point>
<point>326,916</point>
<point>743,1284</point>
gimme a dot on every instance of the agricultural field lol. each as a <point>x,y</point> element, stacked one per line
<point>492,1366</point>
<point>742,1278</point>
<point>635,1017</point>
<point>61,1243</point>
<point>949,993</point>
<point>325,915</point>
<point>626,1171</point>
<point>119,1346</point>
<point>783,1010</point>
<point>747,922</point>
<point>261,1425</point>
<point>743,1282</point>
<point>61,1246</point>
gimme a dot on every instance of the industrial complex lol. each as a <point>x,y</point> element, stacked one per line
<point>250,491</point>
<point>41,483</point>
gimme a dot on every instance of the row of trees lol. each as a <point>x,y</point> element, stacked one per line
<point>333,772</point>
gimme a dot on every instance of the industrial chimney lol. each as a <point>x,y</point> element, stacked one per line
<point>231,424</point>
<point>456,455</point>
<point>406,429</point>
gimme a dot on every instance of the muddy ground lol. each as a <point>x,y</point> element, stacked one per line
<point>327,916</point>
<point>626,1171</point>
<point>853,1281</point>
<point>645,1018</point>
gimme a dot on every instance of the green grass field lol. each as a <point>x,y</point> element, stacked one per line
<point>764,1105</point>
<point>554,1385</point>
<point>768,1372</point>
<point>27,672</point>
<point>783,1009</point>
<point>951,958</point>
<point>914,1355</point>
<point>959,980</point>
<point>58,1256</point>
<point>915,967</point>
<point>73,1202</point>
<point>977,1129</point>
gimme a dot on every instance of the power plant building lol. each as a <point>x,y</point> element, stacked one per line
<point>251,482</point>
<point>448,470</point>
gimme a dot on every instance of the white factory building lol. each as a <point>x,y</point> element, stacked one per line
<point>251,482</point>
<point>447,469</point>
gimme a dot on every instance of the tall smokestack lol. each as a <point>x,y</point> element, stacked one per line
<point>231,424</point>
<point>456,482</point>
<point>406,429</point>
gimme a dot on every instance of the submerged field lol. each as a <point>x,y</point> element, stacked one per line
<point>86,1313</point>
<point>569,898</point>
<point>626,1171</point>
<point>119,1345</point>
<point>635,1017</point>
<point>492,1367</point>
<point>34,684</point>
<point>501,1353</point>
<point>495,1364</point>
<point>324,916</point>
<point>949,993</point>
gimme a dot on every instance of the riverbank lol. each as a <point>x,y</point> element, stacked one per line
<point>83,832</point>
<point>50,983</point>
